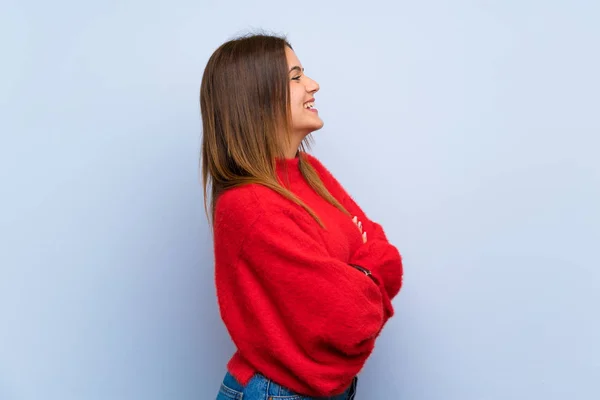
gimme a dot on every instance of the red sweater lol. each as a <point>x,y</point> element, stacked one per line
<point>296,310</point>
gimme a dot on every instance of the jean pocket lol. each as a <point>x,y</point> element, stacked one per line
<point>227,393</point>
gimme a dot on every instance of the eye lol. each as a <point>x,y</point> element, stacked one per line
<point>296,78</point>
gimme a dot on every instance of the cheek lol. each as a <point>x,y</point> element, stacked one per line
<point>296,97</point>
<point>297,104</point>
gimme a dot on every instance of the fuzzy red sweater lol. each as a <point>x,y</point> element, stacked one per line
<point>296,310</point>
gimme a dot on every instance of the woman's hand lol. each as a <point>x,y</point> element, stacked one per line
<point>359,225</point>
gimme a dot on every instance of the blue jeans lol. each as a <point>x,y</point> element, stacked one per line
<point>261,388</point>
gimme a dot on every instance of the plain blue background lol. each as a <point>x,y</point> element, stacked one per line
<point>469,129</point>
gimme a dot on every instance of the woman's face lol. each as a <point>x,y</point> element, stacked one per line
<point>305,118</point>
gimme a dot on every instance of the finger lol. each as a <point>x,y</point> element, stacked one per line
<point>355,220</point>
<point>364,236</point>
<point>360,226</point>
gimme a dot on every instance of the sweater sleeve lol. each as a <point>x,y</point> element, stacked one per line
<point>377,255</point>
<point>289,306</point>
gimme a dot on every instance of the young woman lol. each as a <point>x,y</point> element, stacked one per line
<point>304,279</point>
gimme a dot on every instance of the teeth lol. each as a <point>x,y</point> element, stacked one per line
<point>309,105</point>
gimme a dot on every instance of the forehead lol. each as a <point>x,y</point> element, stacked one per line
<point>291,57</point>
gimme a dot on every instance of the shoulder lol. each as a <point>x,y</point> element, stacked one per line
<point>239,209</point>
<point>241,204</point>
<point>236,212</point>
<point>256,213</point>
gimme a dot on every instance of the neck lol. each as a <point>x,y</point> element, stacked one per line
<point>292,151</point>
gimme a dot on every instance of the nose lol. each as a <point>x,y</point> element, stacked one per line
<point>312,86</point>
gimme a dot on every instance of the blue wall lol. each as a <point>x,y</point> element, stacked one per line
<point>469,129</point>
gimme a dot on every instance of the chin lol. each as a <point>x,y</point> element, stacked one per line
<point>317,126</point>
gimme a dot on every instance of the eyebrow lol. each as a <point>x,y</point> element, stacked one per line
<point>296,68</point>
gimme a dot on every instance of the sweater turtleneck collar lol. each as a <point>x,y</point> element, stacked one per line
<point>291,166</point>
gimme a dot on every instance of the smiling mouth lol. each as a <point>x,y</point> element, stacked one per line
<point>310,106</point>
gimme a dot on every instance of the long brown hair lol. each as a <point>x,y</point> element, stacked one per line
<point>246,120</point>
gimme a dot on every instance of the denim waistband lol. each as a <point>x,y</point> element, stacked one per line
<point>259,387</point>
